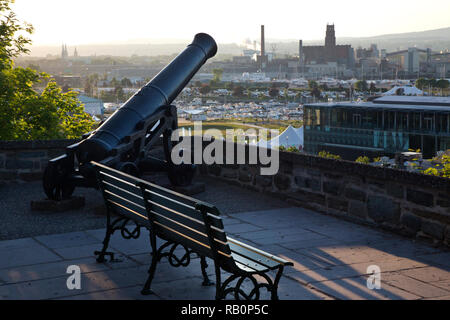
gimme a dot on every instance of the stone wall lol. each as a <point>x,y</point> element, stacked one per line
<point>409,203</point>
<point>27,160</point>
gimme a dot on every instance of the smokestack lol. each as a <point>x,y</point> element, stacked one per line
<point>300,52</point>
<point>263,42</point>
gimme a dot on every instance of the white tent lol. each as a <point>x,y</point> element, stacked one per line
<point>290,137</point>
<point>300,134</point>
<point>406,90</point>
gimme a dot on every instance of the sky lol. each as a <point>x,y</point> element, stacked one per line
<point>77,22</point>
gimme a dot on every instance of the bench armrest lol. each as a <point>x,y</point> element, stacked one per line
<point>263,253</point>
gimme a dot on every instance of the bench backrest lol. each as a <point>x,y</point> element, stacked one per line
<point>171,215</point>
<point>122,193</point>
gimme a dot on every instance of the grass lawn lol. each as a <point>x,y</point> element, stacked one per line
<point>223,125</point>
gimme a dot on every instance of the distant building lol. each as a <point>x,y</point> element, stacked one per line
<point>330,52</point>
<point>92,106</point>
<point>408,60</point>
<point>68,81</point>
<point>384,126</point>
<point>64,52</point>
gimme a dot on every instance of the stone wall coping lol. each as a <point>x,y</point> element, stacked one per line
<point>367,171</point>
<point>36,144</point>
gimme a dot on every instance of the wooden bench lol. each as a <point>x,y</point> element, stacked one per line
<point>185,222</point>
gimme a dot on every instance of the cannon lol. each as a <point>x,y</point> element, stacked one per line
<point>124,140</point>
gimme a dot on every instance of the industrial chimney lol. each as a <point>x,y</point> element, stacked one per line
<point>300,52</point>
<point>263,42</point>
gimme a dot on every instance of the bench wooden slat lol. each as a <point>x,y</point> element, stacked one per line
<point>171,194</point>
<point>192,235</point>
<point>117,175</point>
<point>185,208</point>
<point>186,220</point>
<point>249,263</point>
<point>123,184</point>
<point>128,208</point>
<point>240,254</point>
<point>170,234</point>
<point>134,197</point>
<point>256,254</point>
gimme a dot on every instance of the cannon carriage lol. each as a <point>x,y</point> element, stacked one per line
<point>124,140</point>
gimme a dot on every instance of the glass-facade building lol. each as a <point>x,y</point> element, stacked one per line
<point>383,126</point>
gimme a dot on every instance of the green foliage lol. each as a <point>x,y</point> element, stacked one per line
<point>361,85</point>
<point>25,113</point>
<point>274,92</point>
<point>442,84</point>
<point>312,84</point>
<point>328,155</point>
<point>205,89</point>
<point>363,159</point>
<point>293,149</point>
<point>289,149</point>
<point>238,91</point>
<point>217,75</point>
<point>315,92</point>
<point>442,169</point>
<point>421,83</point>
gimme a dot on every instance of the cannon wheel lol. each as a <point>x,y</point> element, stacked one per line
<point>55,183</point>
<point>130,168</point>
<point>181,175</point>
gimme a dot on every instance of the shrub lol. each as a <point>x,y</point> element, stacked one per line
<point>363,159</point>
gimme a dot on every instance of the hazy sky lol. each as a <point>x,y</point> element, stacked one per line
<point>99,21</point>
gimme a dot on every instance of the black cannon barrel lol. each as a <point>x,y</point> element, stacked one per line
<point>158,93</point>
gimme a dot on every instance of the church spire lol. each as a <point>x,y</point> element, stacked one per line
<point>64,53</point>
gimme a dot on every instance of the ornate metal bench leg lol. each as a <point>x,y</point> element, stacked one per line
<point>206,282</point>
<point>274,289</point>
<point>109,231</point>
<point>219,292</point>
<point>151,271</point>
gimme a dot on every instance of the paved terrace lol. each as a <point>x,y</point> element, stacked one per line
<point>330,256</point>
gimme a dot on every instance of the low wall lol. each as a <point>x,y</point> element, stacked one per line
<point>27,160</point>
<point>405,202</point>
<point>409,203</point>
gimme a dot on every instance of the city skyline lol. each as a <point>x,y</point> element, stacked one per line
<point>101,21</point>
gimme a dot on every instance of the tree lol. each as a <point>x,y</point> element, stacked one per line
<point>26,113</point>
<point>229,86</point>
<point>205,89</point>
<point>442,84</point>
<point>217,75</point>
<point>274,92</point>
<point>119,93</point>
<point>422,83</point>
<point>312,84</point>
<point>361,85</point>
<point>315,92</point>
<point>238,91</point>
<point>125,82</point>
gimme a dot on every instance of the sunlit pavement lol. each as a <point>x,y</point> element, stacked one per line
<point>331,260</point>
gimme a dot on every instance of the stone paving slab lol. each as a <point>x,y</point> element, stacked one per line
<point>24,252</point>
<point>71,239</point>
<point>417,287</point>
<point>330,262</point>
<point>356,289</point>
